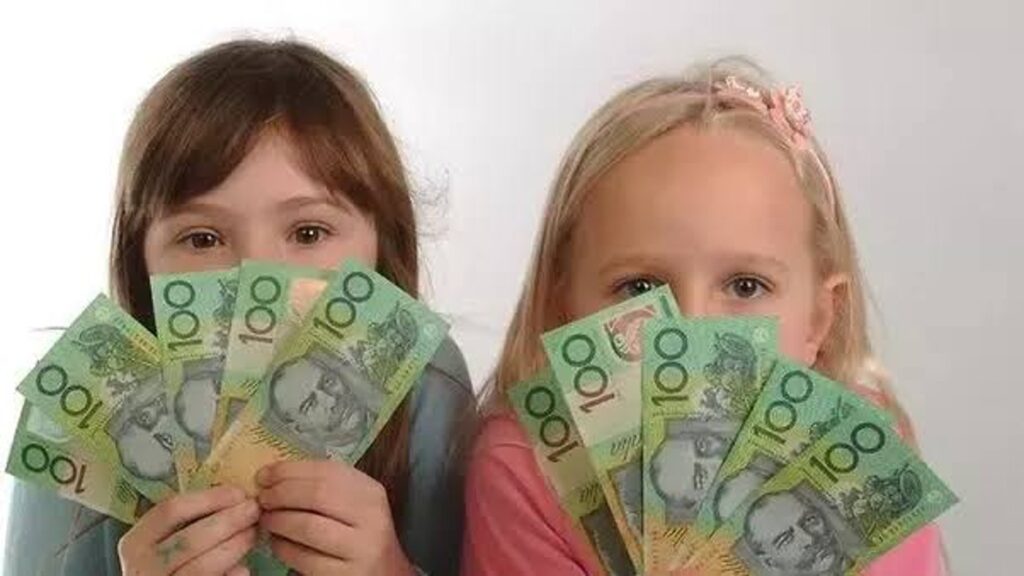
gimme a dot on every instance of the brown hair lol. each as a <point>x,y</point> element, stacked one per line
<point>634,118</point>
<point>201,120</point>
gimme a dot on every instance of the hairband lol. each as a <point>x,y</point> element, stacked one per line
<point>787,113</point>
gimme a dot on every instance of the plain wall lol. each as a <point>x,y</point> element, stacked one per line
<point>918,104</point>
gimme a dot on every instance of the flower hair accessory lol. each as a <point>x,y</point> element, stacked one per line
<point>785,109</point>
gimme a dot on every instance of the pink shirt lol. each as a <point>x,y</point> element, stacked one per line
<point>515,525</point>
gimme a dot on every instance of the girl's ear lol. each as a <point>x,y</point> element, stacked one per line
<point>826,306</point>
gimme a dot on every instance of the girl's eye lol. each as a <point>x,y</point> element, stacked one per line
<point>747,287</point>
<point>309,234</point>
<point>202,240</point>
<point>637,286</point>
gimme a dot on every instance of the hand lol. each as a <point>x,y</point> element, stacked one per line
<point>327,517</point>
<point>195,534</point>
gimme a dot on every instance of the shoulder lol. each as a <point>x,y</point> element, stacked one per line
<point>444,388</point>
<point>442,415</point>
<point>514,522</point>
<point>501,435</point>
<point>503,470</point>
<point>441,402</point>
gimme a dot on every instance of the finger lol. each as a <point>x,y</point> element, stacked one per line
<point>328,499</point>
<point>238,570</point>
<point>170,515</point>
<point>313,531</point>
<point>206,534</point>
<point>303,559</point>
<point>219,559</point>
<point>331,470</point>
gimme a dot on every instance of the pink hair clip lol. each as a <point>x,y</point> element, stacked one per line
<point>785,107</point>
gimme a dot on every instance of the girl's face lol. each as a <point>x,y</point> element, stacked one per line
<point>718,216</point>
<point>267,209</point>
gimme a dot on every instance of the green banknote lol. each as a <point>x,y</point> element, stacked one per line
<point>597,362</point>
<point>272,301</point>
<point>102,383</point>
<point>541,409</point>
<point>797,406</point>
<point>44,454</point>
<point>854,494</point>
<point>193,317</point>
<point>700,379</point>
<point>335,383</point>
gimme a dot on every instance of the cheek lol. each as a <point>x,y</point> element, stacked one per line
<point>581,299</point>
<point>796,330</point>
<point>359,244</point>
<point>583,292</point>
<point>363,243</point>
<point>152,257</point>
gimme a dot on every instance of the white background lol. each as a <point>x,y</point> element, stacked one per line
<point>921,105</point>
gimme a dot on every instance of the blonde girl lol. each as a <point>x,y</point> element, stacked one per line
<point>713,184</point>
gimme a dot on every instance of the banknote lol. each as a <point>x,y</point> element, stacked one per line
<point>853,495</point>
<point>44,454</point>
<point>797,406</point>
<point>193,317</point>
<point>700,379</point>
<point>541,410</point>
<point>272,301</point>
<point>597,362</point>
<point>335,383</point>
<point>102,383</point>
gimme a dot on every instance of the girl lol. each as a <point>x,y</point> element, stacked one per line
<point>270,151</point>
<point>713,185</point>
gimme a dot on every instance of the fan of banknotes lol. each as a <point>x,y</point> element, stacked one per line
<point>690,446</point>
<point>250,365</point>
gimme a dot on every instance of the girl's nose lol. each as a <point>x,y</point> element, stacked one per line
<point>257,246</point>
<point>693,301</point>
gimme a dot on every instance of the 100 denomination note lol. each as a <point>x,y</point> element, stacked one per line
<point>797,406</point>
<point>272,302</point>
<point>541,410</point>
<point>335,383</point>
<point>596,361</point>
<point>853,495</point>
<point>193,316</point>
<point>44,454</point>
<point>102,383</point>
<point>700,379</point>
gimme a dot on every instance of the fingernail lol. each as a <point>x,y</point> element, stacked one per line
<point>263,476</point>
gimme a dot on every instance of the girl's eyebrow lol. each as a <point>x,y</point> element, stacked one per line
<point>197,207</point>
<point>200,207</point>
<point>633,261</point>
<point>751,259</point>
<point>656,262</point>
<point>330,201</point>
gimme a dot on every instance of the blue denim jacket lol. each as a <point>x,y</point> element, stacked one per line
<point>49,536</point>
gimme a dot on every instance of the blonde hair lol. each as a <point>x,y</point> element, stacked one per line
<point>628,122</point>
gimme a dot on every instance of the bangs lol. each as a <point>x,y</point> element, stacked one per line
<point>204,123</point>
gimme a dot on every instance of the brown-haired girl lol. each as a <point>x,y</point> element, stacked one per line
<point>270,151</point>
